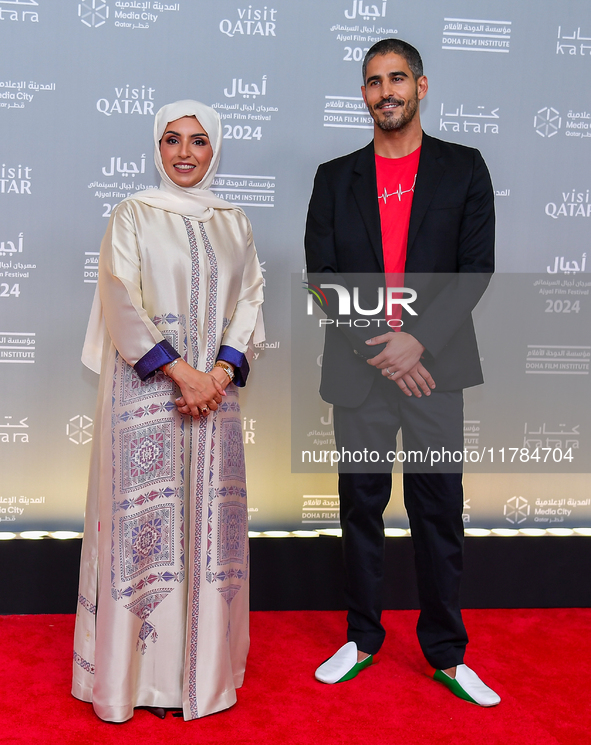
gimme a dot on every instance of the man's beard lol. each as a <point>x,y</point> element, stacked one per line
<point>391,124</point>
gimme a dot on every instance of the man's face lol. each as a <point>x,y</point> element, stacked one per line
<point>391,93</point>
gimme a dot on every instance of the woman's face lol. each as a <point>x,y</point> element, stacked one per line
<point>186,151</point>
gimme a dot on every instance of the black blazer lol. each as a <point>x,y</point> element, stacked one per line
<point>450,258</point>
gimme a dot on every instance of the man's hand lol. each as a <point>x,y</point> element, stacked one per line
<point>416,380</point>
<point>400,361</point>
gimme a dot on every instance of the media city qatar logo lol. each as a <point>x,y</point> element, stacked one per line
<point>547,122</point>
<point>395,296</point>
<point>93,13</point>
<point>80,429</point>
<point>516,510</point>
<point>129,14</point>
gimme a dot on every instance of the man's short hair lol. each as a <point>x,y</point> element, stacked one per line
<point>396,46</point>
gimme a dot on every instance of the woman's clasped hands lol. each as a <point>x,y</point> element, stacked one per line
<point>200,392</point>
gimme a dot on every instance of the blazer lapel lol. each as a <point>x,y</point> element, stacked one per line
<point>429,175</point>
<point>364,188</point>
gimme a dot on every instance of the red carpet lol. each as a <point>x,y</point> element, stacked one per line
<point>537,660</point>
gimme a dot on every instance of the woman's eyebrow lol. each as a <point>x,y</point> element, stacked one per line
<point>199,134</point>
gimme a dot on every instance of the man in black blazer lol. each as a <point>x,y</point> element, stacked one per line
<point>443,242</point>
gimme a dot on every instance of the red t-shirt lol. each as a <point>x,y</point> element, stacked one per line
<point>396,184</point>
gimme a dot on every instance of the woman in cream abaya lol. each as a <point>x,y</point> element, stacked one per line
<point>162,615</point>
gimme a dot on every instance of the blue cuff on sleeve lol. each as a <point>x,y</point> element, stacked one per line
<point>159,355</point>
<point>241,366</point>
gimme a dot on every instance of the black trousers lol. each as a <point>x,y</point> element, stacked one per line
<point>433,497</point>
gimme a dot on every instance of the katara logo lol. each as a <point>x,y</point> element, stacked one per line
<point>516,510</point>
<point>465,515</point>
<point>547,122</point>
<point>93,13</point>
<point>79,430</point>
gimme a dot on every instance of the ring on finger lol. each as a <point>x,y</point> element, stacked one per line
<point>204,409</point>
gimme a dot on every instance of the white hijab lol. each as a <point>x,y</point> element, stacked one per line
<point>193,201</point>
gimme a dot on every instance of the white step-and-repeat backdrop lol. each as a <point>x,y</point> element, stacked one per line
<point>80,82</point>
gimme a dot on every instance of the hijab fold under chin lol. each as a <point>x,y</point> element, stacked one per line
<point>193,201</point>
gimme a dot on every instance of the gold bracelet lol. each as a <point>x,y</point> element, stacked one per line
<point>226,368</point>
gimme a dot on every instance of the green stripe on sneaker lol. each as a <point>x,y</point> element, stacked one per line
<point>357,668</point>
<point>453,686</point>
